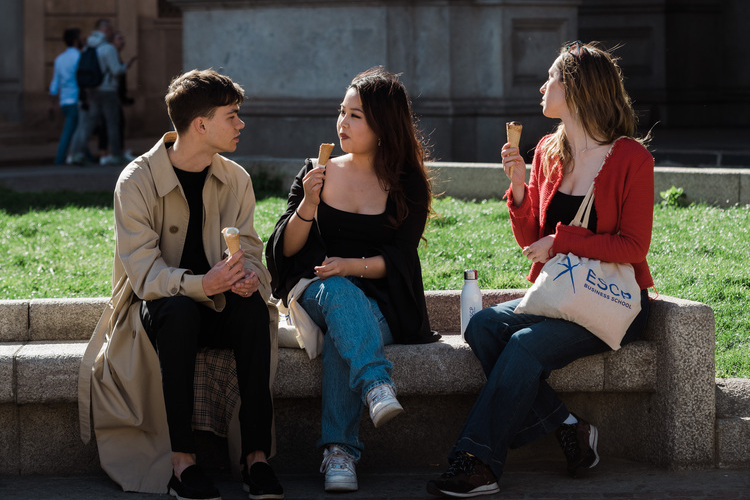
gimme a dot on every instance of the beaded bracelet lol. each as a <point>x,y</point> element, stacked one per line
<point>363,274</point>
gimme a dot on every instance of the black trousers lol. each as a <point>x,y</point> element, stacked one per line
<point>179,327</point>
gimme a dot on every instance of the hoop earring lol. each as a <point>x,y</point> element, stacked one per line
<point>379,143</point>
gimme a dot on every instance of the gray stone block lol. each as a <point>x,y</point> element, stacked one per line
<point>632,368</point>
<point>14,320</point>
<point>64,319</point>
<point>9,439</point>
<point>444,367</point>
<point>744,187</point>
<point>48,372</point>
<point>7,372</point>
<point>733,441</point>
<point>50,441</point>
<point>720,186</point>
<point>685,402</point>
<point>584,375</point>
<point>444,306</point>
<point>469,180</point>
<point>732,398</point>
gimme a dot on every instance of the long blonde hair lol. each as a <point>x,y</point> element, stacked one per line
<point>595,94</point>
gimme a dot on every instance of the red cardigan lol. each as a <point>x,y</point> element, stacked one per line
<point>624,203</point>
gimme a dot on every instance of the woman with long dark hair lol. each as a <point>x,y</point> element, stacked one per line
<point>349,237</point>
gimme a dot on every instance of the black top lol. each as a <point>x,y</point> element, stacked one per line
<point>400,294</point>
<point>347,234</point>
<point>562,208</point>
<point>193,253</point>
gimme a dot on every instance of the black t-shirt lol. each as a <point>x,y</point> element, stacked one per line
<point>562,208</point>
<point>193,253</point>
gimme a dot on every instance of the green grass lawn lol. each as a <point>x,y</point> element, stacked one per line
<point>61,245</point>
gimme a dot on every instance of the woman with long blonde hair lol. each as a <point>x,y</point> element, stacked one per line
<point>594,143</point>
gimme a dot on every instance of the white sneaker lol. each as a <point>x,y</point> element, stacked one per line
<point>383,404</point>
<point>338,466</point>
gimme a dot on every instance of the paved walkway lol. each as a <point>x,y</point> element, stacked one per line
<point>613,479</point>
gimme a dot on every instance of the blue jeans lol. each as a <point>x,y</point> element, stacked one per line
<point>70,112</point>
<point>355,332</point>
<point>517,353</point>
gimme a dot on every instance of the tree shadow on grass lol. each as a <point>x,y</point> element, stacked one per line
<point>21,202</point>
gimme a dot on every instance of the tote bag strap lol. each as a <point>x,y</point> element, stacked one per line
<point>584,211</point>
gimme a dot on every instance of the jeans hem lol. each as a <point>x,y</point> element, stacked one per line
<point>482,451</point>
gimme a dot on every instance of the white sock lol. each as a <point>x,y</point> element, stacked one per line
<point>571,420</point>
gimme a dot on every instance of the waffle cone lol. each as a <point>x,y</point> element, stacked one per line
<point>324,153</point>
<point>232,239</point>
<point>513,130</point>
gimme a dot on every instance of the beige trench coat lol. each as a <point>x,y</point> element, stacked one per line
<point>119,380</point>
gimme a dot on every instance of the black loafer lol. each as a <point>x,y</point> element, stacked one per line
<point>261,483</point>
<point>193,485</point>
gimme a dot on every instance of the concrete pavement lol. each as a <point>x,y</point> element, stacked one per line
<point>542,479</point>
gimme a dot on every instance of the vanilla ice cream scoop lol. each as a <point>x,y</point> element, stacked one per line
<point>232,238</point>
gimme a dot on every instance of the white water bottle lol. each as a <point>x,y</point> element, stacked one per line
<point>471,298</point>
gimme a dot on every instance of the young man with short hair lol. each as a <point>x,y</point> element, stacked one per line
<point>174,294</point>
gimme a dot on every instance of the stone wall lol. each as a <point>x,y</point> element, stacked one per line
<point>470,66</point>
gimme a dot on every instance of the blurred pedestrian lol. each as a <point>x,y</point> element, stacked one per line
<point>64,89</point>
<point>118,40</point>
<point>103,100</point>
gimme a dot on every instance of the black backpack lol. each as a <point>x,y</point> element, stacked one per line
<point>89,75</point>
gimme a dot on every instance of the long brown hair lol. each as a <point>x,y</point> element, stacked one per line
<point>388,112</point>
<point>594,91</point>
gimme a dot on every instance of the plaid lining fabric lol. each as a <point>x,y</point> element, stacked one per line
<point>216,390</point>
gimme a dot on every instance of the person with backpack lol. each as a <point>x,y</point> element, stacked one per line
<point>98,70</point>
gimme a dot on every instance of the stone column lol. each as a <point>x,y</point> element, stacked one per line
<point>469,66</point>
<point>11,64</point>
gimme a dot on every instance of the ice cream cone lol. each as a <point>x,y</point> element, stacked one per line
<point>513,131</point>
<point>232,238</point>
<point>324,153</point>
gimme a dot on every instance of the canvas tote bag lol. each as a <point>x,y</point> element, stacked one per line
<point>602,297</point>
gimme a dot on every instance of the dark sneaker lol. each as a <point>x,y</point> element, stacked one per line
<point>193,485</point>
<point>261,483</point>
<point>467,476</point>
<point>578,442</point>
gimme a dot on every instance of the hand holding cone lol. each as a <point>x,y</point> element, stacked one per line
<point>324,153</point>
<point>513,131</point>
<point>232,238</point>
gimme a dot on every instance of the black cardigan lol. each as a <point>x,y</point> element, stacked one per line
<point>402,300</point>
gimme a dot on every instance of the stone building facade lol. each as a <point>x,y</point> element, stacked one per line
<point>470,65</point>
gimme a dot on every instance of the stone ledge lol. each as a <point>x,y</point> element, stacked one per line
<point>14,320</point>
<point>47,372</point>
<point>654,400</point>
<point>733,398</point>
<point>64,319</point>
<point>732,438</point>
<point>720,186</point>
